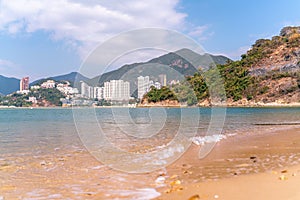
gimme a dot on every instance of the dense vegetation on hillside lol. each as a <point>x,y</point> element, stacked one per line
<point>45,97</point>
<point>269,71</point>
<point>156,95</point>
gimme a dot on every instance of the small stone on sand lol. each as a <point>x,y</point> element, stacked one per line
<point>283,178</point>
<point>194,197</point>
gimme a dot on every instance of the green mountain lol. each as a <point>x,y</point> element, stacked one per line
<point>173,64</point>
<point>8,85</point>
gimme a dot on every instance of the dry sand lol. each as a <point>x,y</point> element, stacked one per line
<point>277,178</point>
<point>270,185</point>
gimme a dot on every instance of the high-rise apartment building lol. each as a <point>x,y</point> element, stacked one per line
<point>143,86</point>
<point>24,84</point>
<point>116,90</point>
<point>98,92</point>
<point>163,79</point>
<point>86,90</point>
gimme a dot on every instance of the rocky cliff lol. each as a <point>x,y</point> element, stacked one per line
<point>275,65</point>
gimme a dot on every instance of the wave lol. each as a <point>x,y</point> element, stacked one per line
<point>201,140</point>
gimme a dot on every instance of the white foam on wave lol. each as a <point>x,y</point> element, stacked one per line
<point>201,140</point>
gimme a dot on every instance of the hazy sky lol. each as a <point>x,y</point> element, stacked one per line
<point>45,37</point>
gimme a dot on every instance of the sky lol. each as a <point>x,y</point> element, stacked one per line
<point>47,38</point>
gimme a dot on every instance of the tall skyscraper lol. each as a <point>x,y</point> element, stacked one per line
<point>143,86</point>
<point>24,84</point>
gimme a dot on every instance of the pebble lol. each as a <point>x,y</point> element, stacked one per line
<point>177,182</point>
<point>216,196</point>
<point>43,163</point>
<point>187,172</point>
<point>283,178</point>
<point>194,197</point>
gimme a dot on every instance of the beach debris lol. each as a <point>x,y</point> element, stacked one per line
<point>186,166</point>
<point>163,172</point>
<point>174,186</point>
<point>194,197</point>
<point>176,182</point>
<point>168,191</point>
<point>187,172</point>
<point>252,157</point>
<point>283,178</point>
<point>284,171</point>
<point>43,163</point>
<point>216,196</point>
<point>294,174</point>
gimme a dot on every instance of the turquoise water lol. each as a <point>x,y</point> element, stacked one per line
<point>29,130</point>
<point>43,151</point>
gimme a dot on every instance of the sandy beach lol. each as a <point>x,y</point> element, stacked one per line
<point>279,180</point>
<point>261,162</point>
<point>269,185</point>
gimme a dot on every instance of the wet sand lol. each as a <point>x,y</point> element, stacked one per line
<point>262,166</point>
<point>247,166</point>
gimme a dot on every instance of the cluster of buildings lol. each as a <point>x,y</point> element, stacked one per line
<point>114,90</point>
<point>119,90</point>
<point>144,84</point>
<point>64,87</point>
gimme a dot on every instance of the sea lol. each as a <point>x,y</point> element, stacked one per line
<point>75,153</point>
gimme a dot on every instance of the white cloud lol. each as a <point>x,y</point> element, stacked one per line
<point>85,23</point>
<point>201,33</point>
<point>10,69</point>
<point>6,63</point>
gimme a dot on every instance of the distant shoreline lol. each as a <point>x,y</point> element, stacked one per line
<point>271,105</point>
